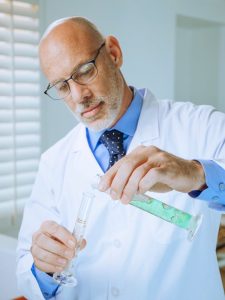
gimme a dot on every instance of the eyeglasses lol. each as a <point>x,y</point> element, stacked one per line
<point>83,75</point>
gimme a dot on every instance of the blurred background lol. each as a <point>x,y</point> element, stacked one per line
<point>176,48</point>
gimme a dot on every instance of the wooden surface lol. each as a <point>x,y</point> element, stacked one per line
<point>221,249</point>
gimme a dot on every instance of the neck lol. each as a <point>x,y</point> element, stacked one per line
<point>127,98</point>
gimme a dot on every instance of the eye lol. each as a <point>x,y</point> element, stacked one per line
<point>85,73</point>
<point>61,86</point>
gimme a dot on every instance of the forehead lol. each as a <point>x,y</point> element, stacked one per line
<point>60,54</point>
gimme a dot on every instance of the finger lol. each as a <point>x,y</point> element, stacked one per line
<point>132,186</point>
<point>46,267</point>
<point>107,178</point>
<point>48,257</point>
<point>54,246</point>
<point>137,162</point>
<point>83,244</point>
<point>59,232</point>
<point>151,178</point>
<point>121,178</point>
<point>138,153</point>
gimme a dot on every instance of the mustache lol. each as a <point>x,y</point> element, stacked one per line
<point>81,107</point>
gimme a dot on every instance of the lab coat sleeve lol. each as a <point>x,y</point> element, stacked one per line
<point>40,207</point>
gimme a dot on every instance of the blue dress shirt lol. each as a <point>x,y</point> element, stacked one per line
<point>215,175</point>
<point>46,283</point>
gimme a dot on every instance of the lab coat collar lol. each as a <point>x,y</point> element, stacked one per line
<point>149,118</point>
<point>148,124</point>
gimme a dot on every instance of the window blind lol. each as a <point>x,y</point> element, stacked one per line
<point>19,103</point>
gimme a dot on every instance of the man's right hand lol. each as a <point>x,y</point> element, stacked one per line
<point>53,246</point>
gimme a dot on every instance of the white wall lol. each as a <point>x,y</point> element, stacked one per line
<point>197,62</point>
<point>200,52</point>
<point>221,88</point>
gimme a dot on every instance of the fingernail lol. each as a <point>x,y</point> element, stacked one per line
<point>68,254</point>
<point>71,244</point>
<point>113,194</point>
<point>102,186</point>
<point>62,261</point>
<point>125,199</point>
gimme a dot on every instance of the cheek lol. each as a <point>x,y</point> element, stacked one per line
<point>105,76</point>
<point>70,103</point>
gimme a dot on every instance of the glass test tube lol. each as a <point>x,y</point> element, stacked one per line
<point>164,211</point>
<point>168,213</point>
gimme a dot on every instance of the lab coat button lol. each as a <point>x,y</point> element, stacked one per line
<point>222,186</point>
<point>46,295</point>
<point>117,243</point>
<point>115,291</point>
<point>215,198</point>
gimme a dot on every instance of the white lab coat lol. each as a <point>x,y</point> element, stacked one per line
<point>130,254</point>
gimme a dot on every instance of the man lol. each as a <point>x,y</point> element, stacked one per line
<point>127,253</point>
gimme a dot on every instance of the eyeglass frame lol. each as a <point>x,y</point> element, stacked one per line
<point>92,61</point>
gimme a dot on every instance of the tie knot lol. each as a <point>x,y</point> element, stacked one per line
<point>113,141</point>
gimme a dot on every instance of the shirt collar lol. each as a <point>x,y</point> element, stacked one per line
<point>127,123</point>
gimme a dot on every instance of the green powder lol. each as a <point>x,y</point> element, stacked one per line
<point>162,210</point>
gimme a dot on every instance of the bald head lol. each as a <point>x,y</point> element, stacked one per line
<point>74,33</point>
<point>78,23</point>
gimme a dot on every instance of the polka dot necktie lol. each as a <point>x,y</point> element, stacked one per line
<point>113,141</point>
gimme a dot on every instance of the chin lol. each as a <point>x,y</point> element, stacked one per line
<point>99,125</point>
<point>101,122</point>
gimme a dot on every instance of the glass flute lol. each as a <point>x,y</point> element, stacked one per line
<point>66,277</point>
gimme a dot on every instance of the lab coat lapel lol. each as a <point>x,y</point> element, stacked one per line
<point>147,131</point>
<point>85,158</point>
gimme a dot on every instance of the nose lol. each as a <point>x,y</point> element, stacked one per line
<point>79,93</point>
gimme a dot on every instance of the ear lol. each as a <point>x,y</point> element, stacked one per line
<point>114,51</point>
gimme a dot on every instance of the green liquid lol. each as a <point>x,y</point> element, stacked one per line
<point>163,211</point>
